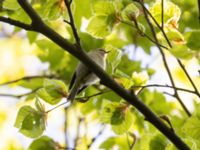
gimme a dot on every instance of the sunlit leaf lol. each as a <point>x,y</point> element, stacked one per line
<point>171,12</point>
<point>114,57</point>
<point>139,79</point>
<point>53,91</point>
<point>192,128</point>
<point>193,39</point>
<point>100,26</point>
<point>158,142</point>
<point>104,7</point>
<point>43,142</point>
<point>119,116</point>
<point>30,122</point>
<point>131,12</point>
<point>181,51</point>
<point>10,4</point>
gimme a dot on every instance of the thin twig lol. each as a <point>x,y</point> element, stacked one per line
<point>96,137</point>
<point>80,120</point>
<point>162,14</point>
<point>172,95</point>
<point>57,106</point>
<point>164,59</point>
<point>72,23</point>
<point>66,125</point>
<point>143,34</point>
<point>170,45</point>
<point>27,78</point>
<point>165,86</point>
<point>134,140</point>
<point>80,99</point>
<point>157,24</point>
<point>19,96</point>
<point>189,78</point>
<point>84,99</point>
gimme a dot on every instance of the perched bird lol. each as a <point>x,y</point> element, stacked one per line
<point>83,76</point>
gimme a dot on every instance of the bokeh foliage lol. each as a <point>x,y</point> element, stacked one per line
<point>110,24</point>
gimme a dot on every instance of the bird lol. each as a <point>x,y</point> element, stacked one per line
<point>83,76</point>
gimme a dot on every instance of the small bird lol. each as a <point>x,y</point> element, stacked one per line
<point>83,76</point>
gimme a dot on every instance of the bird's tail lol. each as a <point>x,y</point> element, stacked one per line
<point>73,93</point>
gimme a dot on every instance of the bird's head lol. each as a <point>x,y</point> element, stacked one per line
<point>102,51</point>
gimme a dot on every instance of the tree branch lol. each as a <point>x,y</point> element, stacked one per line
<point>170,45</point>
<point>189,78</point>
<point>16,23</point>
<point>72,23</point>
<point>96,137</point>
<point>164,59</point>
<point>142,33</point>
<point>166,86</point>
<point>105,78</point>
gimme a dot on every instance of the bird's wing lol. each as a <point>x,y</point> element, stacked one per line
<point>72,81</point>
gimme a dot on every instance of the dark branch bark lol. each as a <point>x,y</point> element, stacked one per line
<point>16,23</point>
<point>72,23</point>
<point>105,78</point>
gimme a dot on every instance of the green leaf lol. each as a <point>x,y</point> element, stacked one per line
<point>48,10</point>
<point>193,39</point>
<point>130,12</point>
<point>123,79</point>
<point>118,115</point>
<point>104,7</point>
<point>181,51</point>
<point>33,84</point>
<point>39,106</point>
<point>120,142</point>
<point>51,53</point>
<point>100,26</point>
<point>113,58</point>
<point>191,127</point>
<point>171,12</point>
<point>53,91</point>
<point>157,102</point>
<point>32,36</point>
<point>128,66</point>
<point>140,78</point>
<point>30,122</point>
<point>81,12</point>
<point>124,121</point>
<point>89,42</point>
<point>43,143</point>
<point>158,142</point>
<point>55,11</point>
<point>173,35</point>
<point>10,4</point>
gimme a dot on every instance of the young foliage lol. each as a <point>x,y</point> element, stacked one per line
<point>44,142</point>
<point>53,91</point>
<point>30,121</point>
